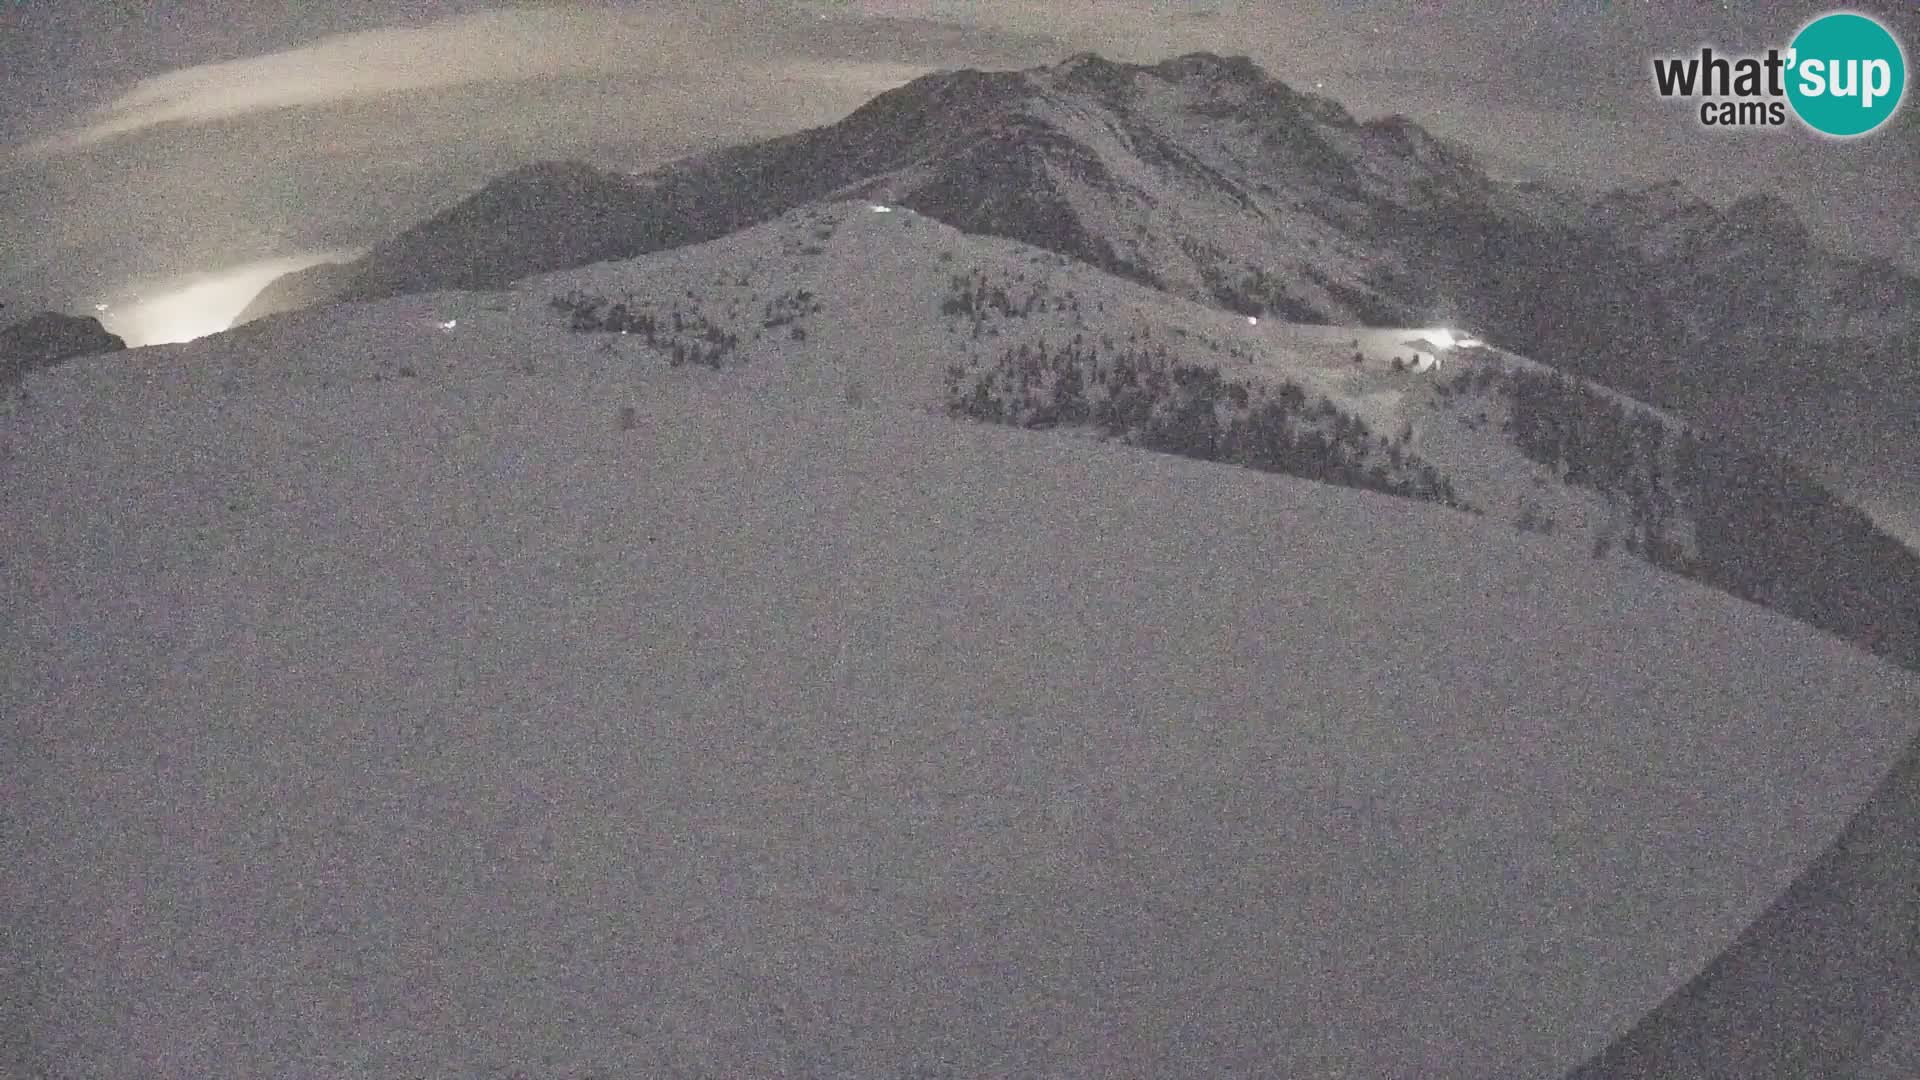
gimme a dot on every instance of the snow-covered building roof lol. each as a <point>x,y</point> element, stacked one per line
<point>1441,338</point>
<point>1425,353</point>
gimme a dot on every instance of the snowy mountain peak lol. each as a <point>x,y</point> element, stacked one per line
<point>966,97</point>
<point>1212,67</point>
<point>1092,70</point>
<point>1211,85</point>
<point>1253,183</point>
<point>1206,178</point>
<point>1089,71</point>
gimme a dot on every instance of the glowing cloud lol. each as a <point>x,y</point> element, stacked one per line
<point>656,48</point>
<point>194,307</point>
<point>496,46</point>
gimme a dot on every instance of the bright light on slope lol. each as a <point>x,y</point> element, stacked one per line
<point>196,305</point>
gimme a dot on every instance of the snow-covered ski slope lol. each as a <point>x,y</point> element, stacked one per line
<point>862,300</point>
<point>450,724</point>
<point>1825,983</point>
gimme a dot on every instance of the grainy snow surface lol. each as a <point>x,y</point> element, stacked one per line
<point>438,726</point>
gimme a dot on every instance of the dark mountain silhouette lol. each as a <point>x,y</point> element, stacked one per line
<point>321,283</point>
<point>1069,157</point>
<point>47,338</point>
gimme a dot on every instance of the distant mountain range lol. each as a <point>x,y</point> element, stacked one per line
<point>1205,177</point>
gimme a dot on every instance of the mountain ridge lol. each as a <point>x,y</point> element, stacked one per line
<point>640,429</point>
<point>1262,199</point>
<point>1021,343</point>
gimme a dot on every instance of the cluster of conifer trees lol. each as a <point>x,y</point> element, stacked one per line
<point>681,337</point>
<point>1762,530</point>
<point>1142,395</point>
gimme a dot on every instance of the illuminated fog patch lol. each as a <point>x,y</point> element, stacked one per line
<point>195,305</point>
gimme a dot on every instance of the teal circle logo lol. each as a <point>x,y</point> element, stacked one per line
<point>1846,74</point>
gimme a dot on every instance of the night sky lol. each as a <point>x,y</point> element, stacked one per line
<point>146,141</point>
